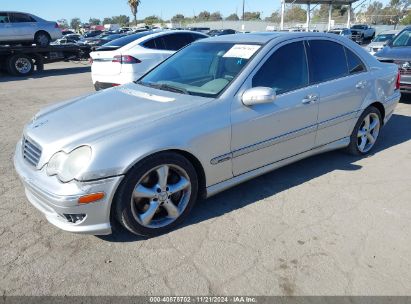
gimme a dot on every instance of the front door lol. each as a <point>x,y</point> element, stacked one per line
<point>267,133</point>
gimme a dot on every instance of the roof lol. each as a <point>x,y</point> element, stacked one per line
<point>263,37</point>
<point>337,2</point>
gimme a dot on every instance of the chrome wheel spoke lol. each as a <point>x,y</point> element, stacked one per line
<point>363,143</point>
<point>367,122</point>
<point>171,209</point>
<point>147,216</point>
<point>371,138</point>
<point>143,192</point>
<point>374,124</point>
<point>162,173</point>
<point>361,133</point>
<point>181,185</point>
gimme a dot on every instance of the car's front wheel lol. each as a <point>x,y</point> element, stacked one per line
<point>366,132</point>
<point>157,194</point>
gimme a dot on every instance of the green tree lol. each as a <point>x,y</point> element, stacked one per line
<point>275,17</point>
<point>75,23</point>
<point>123,20</point>
<point>108,20</point>
<point>216,16</point>
<point>232,17</point>
<point>94,21</point>
<point>179,18</point>
<point>152,19</point>
<point>252,16</point>
<point>203,16</point>
<point>134,8</point>
<point>406,19</point>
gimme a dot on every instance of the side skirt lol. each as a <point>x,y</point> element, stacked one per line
<point>217,188</point>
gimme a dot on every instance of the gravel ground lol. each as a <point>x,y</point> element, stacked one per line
<point>328,225</point>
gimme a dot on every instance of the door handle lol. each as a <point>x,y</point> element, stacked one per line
<point>310,99</point>
<point>361,84</point>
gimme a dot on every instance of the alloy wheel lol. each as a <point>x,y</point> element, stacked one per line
<point>161,196</point>
<point>368,132</point>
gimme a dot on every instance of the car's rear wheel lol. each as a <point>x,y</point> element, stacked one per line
<point>42,39</point>
<point>366,132</point>
<point>157,194</point>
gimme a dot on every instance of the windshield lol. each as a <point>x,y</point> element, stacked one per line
<point>202,69</point>
<point>403,38</point>
<point>383,37</point>
<point>358,27</point>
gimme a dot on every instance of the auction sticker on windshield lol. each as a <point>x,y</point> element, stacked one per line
<point>243,51</point>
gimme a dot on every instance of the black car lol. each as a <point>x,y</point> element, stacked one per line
<point>399,51</point>
<point>221,32</point>
<point>92,34</point>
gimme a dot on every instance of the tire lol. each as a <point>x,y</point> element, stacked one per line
<point>20,65</point>
<point>362,133</point>
<point>42,39</point>
<point>157,207</point>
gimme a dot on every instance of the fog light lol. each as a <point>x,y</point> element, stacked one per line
<point>90,198</point>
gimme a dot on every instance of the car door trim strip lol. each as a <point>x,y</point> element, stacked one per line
<point>287,136</point>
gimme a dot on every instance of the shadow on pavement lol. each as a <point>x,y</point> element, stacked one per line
<point>397,131</point>
<point>49,72</point>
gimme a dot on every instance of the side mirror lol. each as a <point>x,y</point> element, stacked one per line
<point>259,95</point>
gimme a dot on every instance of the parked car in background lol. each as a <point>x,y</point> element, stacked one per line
<point>344,32</point>
<point>127,59</point>
<point>67,32</point>
<point>381,40</point>
<point>217,113</point>
<point>63,41</point>
<point>17,27</point>
<point>362,32</point>
<point>199,29</point>
<point>398,51</point>
<point>92,34</point>
<point>221,32</point>
<point>102,39</point>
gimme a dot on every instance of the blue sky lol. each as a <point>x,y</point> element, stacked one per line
<point>84,9</point>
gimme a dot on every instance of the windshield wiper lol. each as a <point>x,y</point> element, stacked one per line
<point>165,87</point>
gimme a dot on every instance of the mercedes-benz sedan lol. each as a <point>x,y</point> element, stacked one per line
<point>17,27</point>
<point>217,113</point>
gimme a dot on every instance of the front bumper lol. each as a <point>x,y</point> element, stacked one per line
<point>59,201</point>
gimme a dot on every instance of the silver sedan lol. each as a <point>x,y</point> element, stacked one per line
<point>217,113</point>
<point>27,28</point>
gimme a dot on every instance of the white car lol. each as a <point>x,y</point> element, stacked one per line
<point>126,59</point>
<point>378,43</point>
<point>16,27</point>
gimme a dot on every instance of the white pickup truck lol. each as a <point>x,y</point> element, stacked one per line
<point>361,32</point>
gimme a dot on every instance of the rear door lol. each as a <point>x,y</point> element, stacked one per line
<point>24,26</point>
<point>6,29</point>
<point>342,85</point>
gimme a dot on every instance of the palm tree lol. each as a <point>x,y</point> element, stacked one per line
<point>133,6</point>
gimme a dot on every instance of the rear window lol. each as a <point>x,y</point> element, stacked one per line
<point>327,60</point>
<point>18,17</point>
<point>126,40</point>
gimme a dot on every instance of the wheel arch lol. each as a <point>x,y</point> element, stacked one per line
<point>202,192</point>
<point>378,105</point>
<point>42,31</point>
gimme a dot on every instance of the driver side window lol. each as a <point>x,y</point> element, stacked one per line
<point>285,70</point>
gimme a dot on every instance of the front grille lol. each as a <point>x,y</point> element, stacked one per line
<point>31,152</point>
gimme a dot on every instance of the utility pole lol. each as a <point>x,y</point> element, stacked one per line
<point>243,8</point>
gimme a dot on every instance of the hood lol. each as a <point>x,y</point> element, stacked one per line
<point>394,53</point>
<point>103,114</point>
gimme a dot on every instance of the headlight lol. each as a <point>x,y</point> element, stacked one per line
<point>69,166</point>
